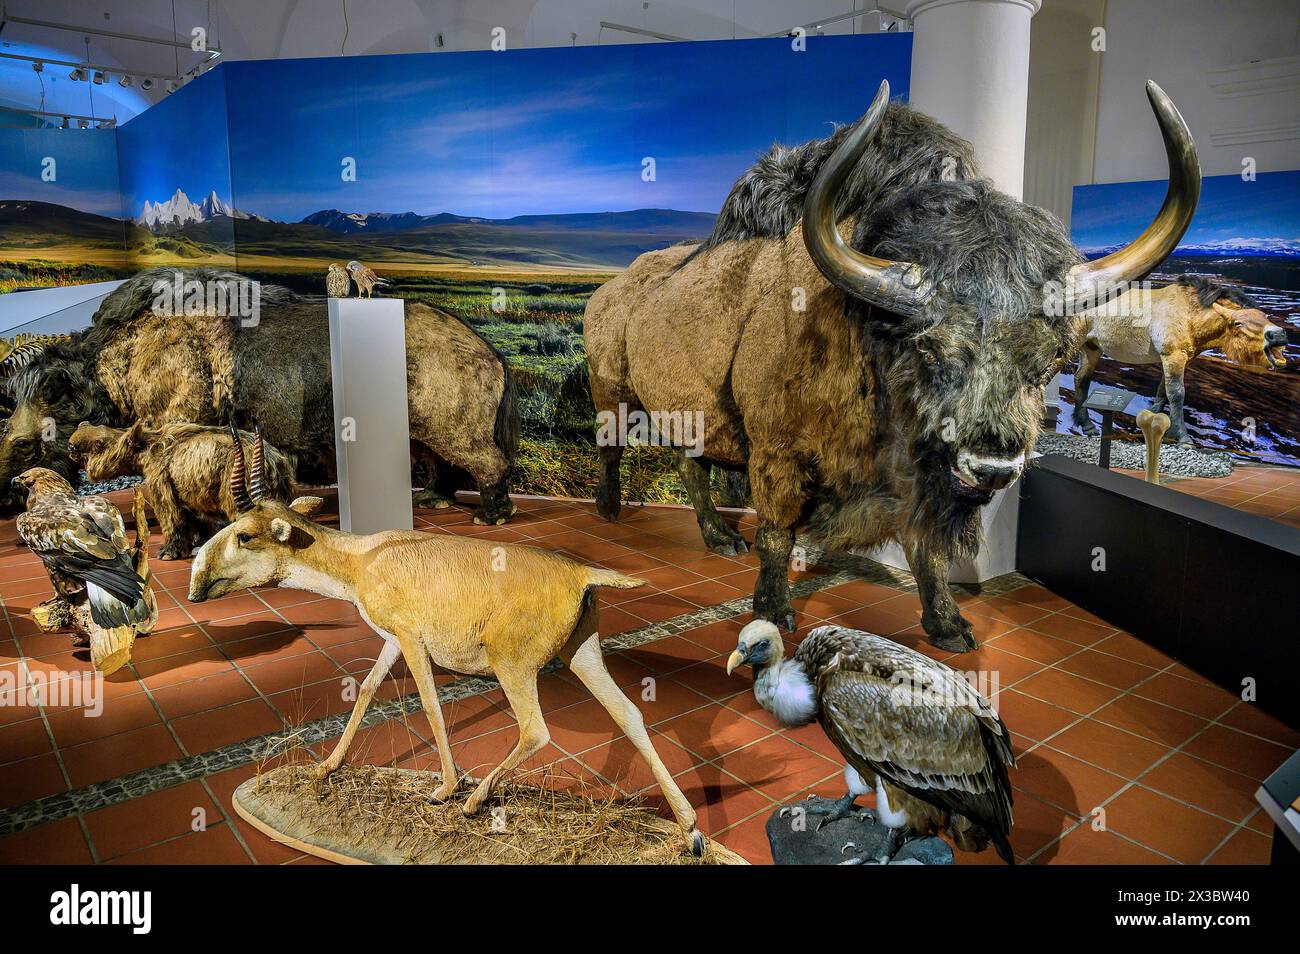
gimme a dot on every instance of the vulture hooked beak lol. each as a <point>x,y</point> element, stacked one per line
<point>737,658</point>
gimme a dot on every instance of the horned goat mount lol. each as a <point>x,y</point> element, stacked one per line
<point>471,606</point>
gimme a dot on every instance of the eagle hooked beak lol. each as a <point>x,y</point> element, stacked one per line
<point>737,658</point>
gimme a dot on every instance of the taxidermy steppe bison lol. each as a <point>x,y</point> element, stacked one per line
<point>879,388</point>
<point>137,363</point>
<point>1171,326</point>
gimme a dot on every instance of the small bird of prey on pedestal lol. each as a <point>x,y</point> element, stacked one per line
<point>337,282</point>
<point>365,278</point>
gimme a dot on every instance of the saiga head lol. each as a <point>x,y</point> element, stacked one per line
<point>259,547</point>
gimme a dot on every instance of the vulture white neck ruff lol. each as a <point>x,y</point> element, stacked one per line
<point>784,690</point>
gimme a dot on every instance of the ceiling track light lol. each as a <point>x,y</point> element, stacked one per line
<point>82,66</point>
<point>84,122</point>
<point>99,78</point>
<point>77,75</point>
<point>125,81</point>
<point>148,83</point>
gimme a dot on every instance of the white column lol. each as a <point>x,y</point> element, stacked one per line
<point>970,71</point>
<point>372,436</point>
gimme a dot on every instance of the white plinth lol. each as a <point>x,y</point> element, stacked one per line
<point>372,436</point>
<point>997,555</point>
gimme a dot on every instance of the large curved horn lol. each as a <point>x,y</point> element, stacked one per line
<point>257,477</point>
<point>238,486</point>
<point>1093,283</point>
<point>900,287</point>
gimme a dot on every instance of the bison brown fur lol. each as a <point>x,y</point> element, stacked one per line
<point>868,332</point>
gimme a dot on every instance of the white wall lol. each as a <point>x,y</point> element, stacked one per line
<point>1062,112</point>
<point>1184,45</point>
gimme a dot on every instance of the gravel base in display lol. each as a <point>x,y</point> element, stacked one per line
<point>1175,461</point>
<point>87,488</point>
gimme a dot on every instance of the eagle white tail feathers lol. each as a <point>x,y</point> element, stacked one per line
<point>110,612</point>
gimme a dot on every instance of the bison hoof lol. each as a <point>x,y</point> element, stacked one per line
<point>430,500</point>
<point>724,541</point>
<point>784,618</point>
<point>953,635</point>
<point>607,505</point>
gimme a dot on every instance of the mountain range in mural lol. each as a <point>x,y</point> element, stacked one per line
<point>179,227</point>
<point>1240,247</point>
<point>179,211</point>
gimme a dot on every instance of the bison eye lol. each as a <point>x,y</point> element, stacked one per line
<point>243,538</point>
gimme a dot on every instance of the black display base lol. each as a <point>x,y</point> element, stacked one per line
<point>857,839</point>
<point>1203,583</point>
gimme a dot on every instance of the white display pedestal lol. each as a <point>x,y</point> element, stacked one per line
<point>372,436</point>
<point>1001,519</point>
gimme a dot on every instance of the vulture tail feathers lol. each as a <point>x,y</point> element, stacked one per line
<point>1003,847</point>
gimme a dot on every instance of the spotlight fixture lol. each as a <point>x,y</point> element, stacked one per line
<point>38,67</point>
<point>148,83</point>
<point>64,124</point>
<point>99,77</point>
<point>106,124</point>
<point>171,86</point>
<point>125,81</point>
<point>77,75</point>
<point>83,123</point>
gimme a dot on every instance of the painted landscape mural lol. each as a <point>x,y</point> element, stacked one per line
<point>506,187</point>
<point>60,208</point>
<point>1245,233</point>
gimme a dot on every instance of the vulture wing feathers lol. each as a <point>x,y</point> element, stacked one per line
<point>84,540</point>
<point>915,722</point>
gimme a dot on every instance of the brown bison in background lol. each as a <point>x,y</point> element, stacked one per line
<point>186,470</point>
<point>1171,326</point>
<point>879,388</point>
<point>140,363</point>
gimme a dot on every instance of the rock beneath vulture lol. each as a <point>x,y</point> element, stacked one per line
<point>793,836</point>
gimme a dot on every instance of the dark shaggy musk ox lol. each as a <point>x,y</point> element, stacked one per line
<point>139,363</point>
<point>868,331</point>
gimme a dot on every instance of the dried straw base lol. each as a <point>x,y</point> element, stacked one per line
<point>382,816</point>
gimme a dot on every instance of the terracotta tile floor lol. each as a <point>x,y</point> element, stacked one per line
<point>1272,492</point>
<point>1124,757</point>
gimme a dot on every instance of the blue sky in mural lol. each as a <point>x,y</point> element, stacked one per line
<point>180,143</point>
<point>531,131</point>
<point>1263,215</point>
<point>85,169</point>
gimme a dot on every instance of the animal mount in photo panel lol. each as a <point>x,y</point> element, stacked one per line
<point>1215,337</point>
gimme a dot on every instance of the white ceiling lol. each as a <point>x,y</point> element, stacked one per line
<point>268,29</point>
